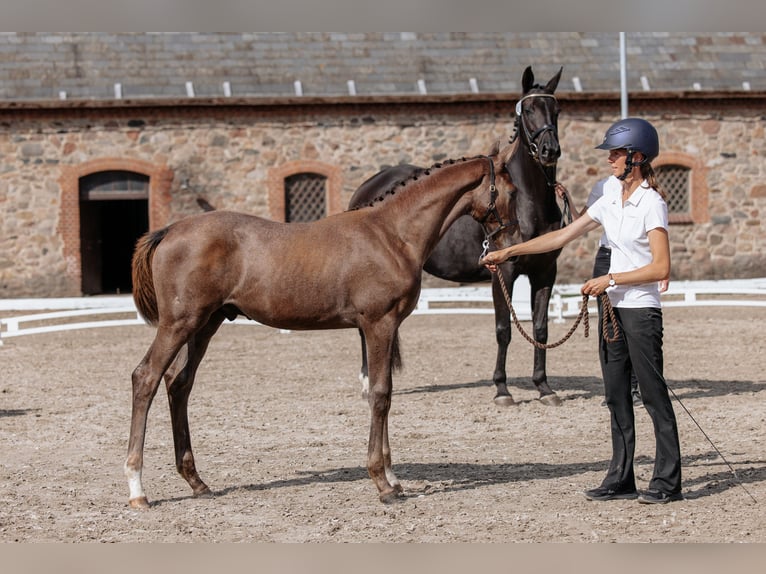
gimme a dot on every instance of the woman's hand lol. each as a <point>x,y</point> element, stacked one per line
<point>492,259</point>
<point>595,286</point>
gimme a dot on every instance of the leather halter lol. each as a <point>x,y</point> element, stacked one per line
<point>492,210</point>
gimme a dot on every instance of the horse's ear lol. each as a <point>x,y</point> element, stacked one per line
<point>554,82</point>
<point>495,149</point>
<point>527,80</point>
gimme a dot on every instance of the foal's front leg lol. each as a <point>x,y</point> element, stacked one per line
<point>379,466</point>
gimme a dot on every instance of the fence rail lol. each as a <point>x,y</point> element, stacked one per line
<point>565,302</point>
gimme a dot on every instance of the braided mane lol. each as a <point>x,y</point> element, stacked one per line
<point>404,183</point>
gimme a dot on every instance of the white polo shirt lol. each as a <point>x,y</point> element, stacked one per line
<point>596,192</point>
<point>626,229</point>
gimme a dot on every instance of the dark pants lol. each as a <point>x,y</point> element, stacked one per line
<point>639,349</point>
<point>601,267</point>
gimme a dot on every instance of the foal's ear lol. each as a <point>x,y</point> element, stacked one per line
<point>495,149</point>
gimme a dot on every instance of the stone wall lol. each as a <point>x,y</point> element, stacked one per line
<point>229,152</point>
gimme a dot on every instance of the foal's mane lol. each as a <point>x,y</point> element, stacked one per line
<point>405,184</point>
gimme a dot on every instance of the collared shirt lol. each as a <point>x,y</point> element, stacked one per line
<point>626,228</point>
<point>595,194</point>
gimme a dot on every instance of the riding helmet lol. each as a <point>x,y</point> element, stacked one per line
<point>633,134</point>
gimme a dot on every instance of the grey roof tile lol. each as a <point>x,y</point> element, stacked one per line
<point>266,63</point>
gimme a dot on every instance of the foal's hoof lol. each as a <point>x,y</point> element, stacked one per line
<point>551,400</point>
<point>140,503</point>
<point>391,497</point>
<point>203,493</point>
<point>504,401</point>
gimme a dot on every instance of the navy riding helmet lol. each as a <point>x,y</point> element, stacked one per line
<point>632,134</point>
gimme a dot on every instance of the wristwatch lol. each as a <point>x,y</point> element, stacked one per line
<point>612,282</point>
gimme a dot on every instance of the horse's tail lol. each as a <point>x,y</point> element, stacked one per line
<point>396,355</point>
<point>143,283</point>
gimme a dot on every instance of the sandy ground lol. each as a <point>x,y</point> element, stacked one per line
<point>280,435</point>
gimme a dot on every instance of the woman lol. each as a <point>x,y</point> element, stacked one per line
<point>634,218</point>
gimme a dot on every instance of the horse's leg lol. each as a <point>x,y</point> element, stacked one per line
<point>387,465</point>
<point>146,379</point>
<point>364,375</point>
<point>541,295</point>
<point>179,381</point>
<point>502,398</point>
<point>381,339</point>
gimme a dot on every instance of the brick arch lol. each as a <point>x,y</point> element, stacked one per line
<point>698,201</point>
<point>160,179</point>
<point>276,185</point>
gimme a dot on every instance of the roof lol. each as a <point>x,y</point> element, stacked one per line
<point>107,66</point>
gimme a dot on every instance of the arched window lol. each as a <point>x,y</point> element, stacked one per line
<point>675,181</point>
<point>683,179</point>
<point>304,190</point>
<point>305,197</point>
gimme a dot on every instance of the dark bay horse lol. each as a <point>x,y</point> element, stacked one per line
<point>357,269</point>
<point>532,167</point>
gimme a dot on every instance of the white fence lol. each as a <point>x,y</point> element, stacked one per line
<point>63,314</point>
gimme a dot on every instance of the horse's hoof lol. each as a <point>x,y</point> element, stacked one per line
<point>140,503</point>
<point>504,401</point>
<point>204,493</point>
<point>398,488</point>
<point>391,497</point>
<point>551,400</point>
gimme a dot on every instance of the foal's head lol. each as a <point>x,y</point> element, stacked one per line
<point>493,203</point>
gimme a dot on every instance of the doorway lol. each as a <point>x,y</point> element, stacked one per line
<point>114,213</point>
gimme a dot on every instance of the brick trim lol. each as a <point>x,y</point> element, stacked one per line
<point>276,185</point>
<point>160,179</point>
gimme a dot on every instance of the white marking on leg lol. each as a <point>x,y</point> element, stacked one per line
<point>391,477</point>
<point>134,483</point>
<point>365,385</point>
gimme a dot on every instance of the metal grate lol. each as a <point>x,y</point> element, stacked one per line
<point>674,180</point>
<point>305,197</point>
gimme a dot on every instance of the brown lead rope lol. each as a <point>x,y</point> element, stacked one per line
<point>608,318</point>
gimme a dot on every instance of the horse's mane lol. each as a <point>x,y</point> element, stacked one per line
<point>404,184</point>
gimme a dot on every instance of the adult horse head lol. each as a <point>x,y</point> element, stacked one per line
<point>357,269</point>
<point>536,120</point>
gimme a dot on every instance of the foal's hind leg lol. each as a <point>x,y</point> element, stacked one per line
<point>364,373</point>
<point>179,381</point>
<point>146,379</point>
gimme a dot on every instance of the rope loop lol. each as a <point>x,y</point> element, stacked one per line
<point>608,317</point>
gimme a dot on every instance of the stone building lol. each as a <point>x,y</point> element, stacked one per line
<point>104,136</point>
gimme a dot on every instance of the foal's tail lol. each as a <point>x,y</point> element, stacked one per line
<point>143,283</point>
